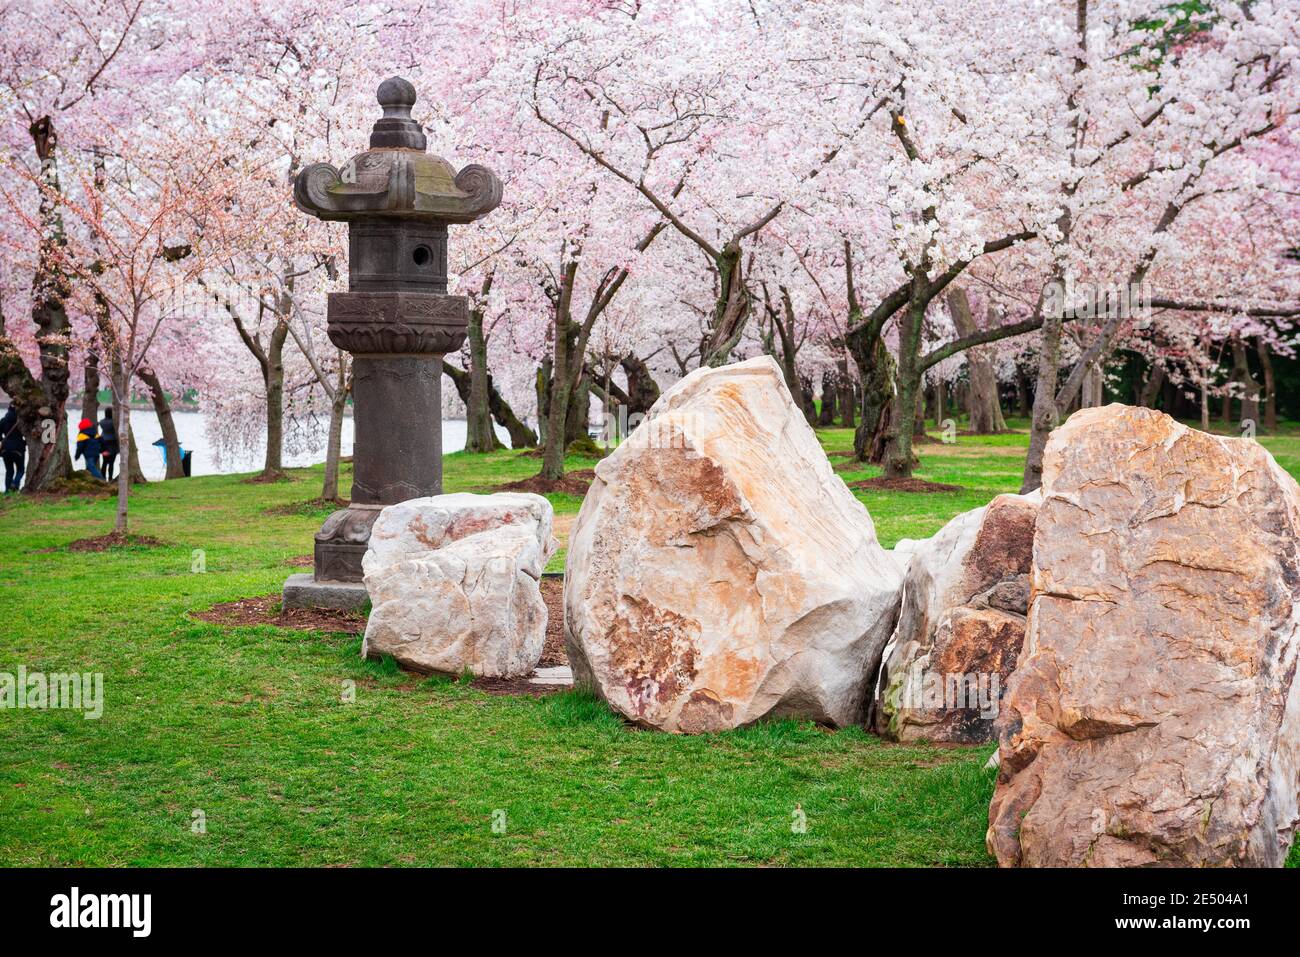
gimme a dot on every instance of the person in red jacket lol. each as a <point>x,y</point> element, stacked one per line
<point>88,446</point>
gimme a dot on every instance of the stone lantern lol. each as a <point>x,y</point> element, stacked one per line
<point>396,319</point>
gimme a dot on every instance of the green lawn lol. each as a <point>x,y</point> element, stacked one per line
<point>247,724</point>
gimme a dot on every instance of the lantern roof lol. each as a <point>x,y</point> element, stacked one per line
<point>396,177</point>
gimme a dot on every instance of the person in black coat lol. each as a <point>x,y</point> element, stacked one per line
<point>13,446</point>
<point>108,447</point>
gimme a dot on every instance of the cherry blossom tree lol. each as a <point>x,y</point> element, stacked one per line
<point>130,249</point>
<point>66,71</point>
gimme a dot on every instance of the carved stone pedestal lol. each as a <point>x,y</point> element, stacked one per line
<point>397,340</point>
<point>397,321</point>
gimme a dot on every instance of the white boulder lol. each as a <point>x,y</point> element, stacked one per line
<point>720,571</point>
<point>453,583</point>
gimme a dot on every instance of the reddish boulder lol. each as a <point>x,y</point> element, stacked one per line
<point>1154,717</point>
<point>962,622</point>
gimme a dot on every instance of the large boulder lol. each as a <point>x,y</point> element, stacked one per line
<point>1154,717</point>
<point>961,626</point>
<point>720,571</point>
<point>453,583</point>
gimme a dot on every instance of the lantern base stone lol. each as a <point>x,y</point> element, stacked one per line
<point>304,591</point>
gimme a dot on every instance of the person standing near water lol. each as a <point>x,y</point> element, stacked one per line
<point>108,447</point>
<point>88,446</point>
<point>13,446</point>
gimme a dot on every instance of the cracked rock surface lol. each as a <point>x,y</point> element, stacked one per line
<point>1154,716</point>
<point>453,583</point>
<point>965,594</point>
<point>720,571</point>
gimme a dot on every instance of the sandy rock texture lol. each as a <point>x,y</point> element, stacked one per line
<point>1154,716</point>
<point>965,595</point>
<point>720,571</point>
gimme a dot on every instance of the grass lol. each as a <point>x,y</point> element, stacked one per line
<point>249,725</point>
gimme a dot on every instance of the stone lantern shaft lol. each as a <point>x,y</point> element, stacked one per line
<point>396,319</point>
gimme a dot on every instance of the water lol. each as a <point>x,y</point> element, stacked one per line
<point>190,432</point>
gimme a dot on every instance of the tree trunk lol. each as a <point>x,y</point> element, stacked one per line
<point>553,447</point>
<point>334,448</point>
<point>578,421</point>
<point>543,389</point>
<point>1151,388</point>
<point>1270,395</point>
<point>274,461</point>
<point>939,396</point>
<point>131,452</point>
<point>1235,377</point>
<point>521,436</point>
<point>162,408</point>
<point>807,399</point>
<point>1250,387</point>
<point>848,397</point>
<point>558,393</point>
<point>1045,413</point>
<point>985,410</point>
<point>799,390</point>
<point>826,415</point>
<point>42,405</point>
<point>876,370</point>
<point>1091,395</point>
<point>480,436</point>
<point>128,454</point>
<point>642,390</point>
<point>90,386</point>
<point>730,311</point>
<point>1173,400</point>
<point>125,444</point>
<point>125,448</point>
<point>898,458</point>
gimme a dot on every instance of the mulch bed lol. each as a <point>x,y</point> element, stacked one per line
<point>883,484</point>
<point>573,483</point>
<point>81,485</point>
<point>553,652</point>
<point>515,686</point>
<point>267,610</point>
<point>300,561</point>
<point>102,543</point>
<point>267,478</point>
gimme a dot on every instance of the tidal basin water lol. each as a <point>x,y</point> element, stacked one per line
<point>190,431</point>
